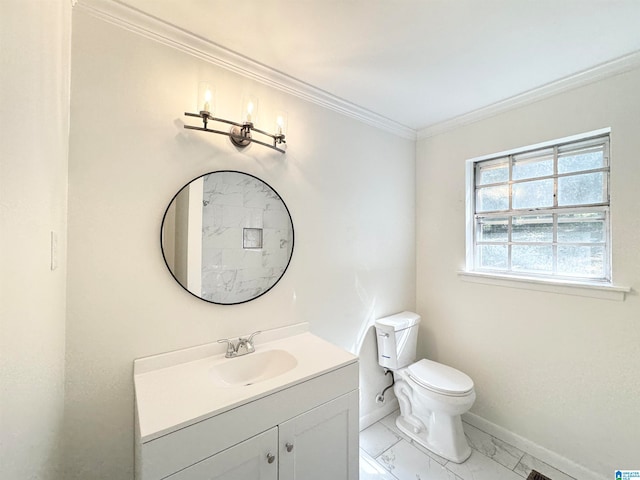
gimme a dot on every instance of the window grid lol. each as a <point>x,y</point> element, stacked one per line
<point>554,211</point>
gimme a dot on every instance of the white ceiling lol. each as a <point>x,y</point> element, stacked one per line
<point>416,62</point>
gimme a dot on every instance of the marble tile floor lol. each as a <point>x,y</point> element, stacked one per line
<point>388,454</point>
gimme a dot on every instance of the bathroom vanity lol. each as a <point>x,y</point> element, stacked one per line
<point>287,411</point>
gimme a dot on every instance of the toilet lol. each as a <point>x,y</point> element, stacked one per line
<point>432,396</point>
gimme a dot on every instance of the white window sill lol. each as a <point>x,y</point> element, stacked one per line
<point>607,292</point>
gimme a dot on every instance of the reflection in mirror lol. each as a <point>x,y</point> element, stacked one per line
<point>227,237</point>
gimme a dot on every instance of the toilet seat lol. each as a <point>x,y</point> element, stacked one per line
<point>440,378</point>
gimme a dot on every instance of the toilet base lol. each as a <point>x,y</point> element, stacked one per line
<point>445,439</point>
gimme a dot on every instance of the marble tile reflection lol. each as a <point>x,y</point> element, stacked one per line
<point>221,237</point>
<point>233,202</point>
<point>276,219</point>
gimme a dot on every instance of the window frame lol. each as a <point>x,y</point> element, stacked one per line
<point>472,167</point>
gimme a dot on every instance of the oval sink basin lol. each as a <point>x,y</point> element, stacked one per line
<point>252,368</point>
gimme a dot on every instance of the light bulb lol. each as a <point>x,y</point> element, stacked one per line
<point>281,123</point>
<point>249,111</point>
<point>207,100</point>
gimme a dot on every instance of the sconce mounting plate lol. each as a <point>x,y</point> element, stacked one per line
<point>240,136</point>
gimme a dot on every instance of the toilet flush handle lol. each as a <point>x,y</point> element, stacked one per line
<point>384,335</point>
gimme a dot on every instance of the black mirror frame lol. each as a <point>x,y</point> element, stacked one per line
<point>162,242</point>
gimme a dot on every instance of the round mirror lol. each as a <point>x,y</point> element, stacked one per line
<point>227,237</point>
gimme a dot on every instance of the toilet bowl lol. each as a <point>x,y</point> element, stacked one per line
<point>432,396</point>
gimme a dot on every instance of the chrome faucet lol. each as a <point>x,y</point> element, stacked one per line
<point>243,347</point>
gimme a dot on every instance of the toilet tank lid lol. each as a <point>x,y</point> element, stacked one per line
<point>400,321</point>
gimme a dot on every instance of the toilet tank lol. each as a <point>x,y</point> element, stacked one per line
<point>397,337</point>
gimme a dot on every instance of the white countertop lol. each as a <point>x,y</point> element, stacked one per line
<point>174,396</point>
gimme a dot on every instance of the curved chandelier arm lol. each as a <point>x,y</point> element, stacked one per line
<point>240,133</point>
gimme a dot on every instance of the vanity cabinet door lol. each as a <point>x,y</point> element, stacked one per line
<point>255,458</point>
<point>322,443</point>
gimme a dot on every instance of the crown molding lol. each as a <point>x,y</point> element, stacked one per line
<point>591,75</point>
<point>136,21</point>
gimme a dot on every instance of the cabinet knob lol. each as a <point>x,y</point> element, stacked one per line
<point>270,457</point>
<point>289,446</point>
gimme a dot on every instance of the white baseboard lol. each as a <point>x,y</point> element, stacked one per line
<point>379,413</point>
<point>555,460</point>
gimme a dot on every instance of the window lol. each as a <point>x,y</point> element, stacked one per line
<point>542,211</point>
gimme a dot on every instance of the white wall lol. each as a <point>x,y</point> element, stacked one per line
<point>34,102</point>
<point>559,370</point>
<point>349,187</point>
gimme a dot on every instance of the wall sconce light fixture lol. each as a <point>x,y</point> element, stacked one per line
<point>240,134</point>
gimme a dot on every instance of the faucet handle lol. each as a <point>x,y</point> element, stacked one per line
<point>231,351</point>
<point>250,339</point>
<point>247,343</point>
